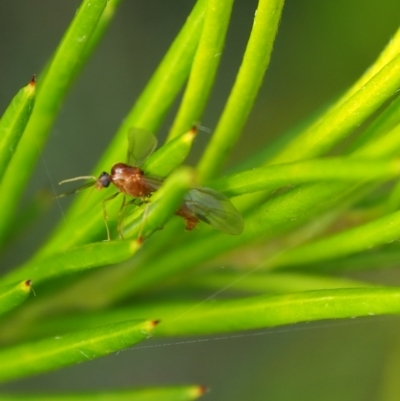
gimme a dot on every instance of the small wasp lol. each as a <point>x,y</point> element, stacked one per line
<point>200,203</point>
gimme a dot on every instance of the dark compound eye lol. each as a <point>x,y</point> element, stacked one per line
<point>104,179</point>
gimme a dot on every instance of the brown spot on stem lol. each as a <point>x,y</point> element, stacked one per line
<point>32,82</point>
<point>202,389</point>
<point>194,129</point>
<point>155,322</point>
<point>198,391</point>
<point>28,283</point>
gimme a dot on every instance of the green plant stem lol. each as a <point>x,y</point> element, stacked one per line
<point>176,393</point>
<point>170,156</point>
<point>57,81</point>
<point>248,81</point>
<point>277,217</point>
<point>173,393</point>
<point>340,122</point>
<point>386,145</point>
<point>273,283</point>
<point>191,317</point>
<point>377,232</point>
<point>147,113</point>
<point>12,295</point>
<point>76,260</point>
<point>389,118</point>
<point>159,94</point>
<point>264,311</point>
<point>391,50</point>
<point>52,353</point>
<point>101,28</point>
<point>280,175</point>
<point>13,123</point>
<point>204,67</point>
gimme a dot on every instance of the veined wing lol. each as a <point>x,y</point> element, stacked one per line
<point>153,182</point>
<point>141,144</point>
<point>215,209</point>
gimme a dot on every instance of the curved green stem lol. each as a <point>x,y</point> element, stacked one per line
<point>248,81</point>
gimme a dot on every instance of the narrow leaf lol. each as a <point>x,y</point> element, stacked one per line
<point>338,123</point>
<point>391,50</point>
<point>188,317</point>
<point>389,118</point>
<point>182,393</point>
<point>75,260</point>
<point>13,123</point>
<point>275,283</point>
<point>171,155</point>
<point>53,353</point>
<point>366,236</point>
<point>270,311</point>
<point>386,145</point>
<point>276,176</point>
<point>52,91</point>
<point>274,218</point>
<point>204,67</point>
<point>101,28</point>
<point>13,294</point>
<point>248,81</point>
<point>147,113</point>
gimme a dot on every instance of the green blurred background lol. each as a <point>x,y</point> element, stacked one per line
<point>322,47</point>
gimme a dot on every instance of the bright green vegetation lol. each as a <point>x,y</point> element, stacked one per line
<point>286,257</point>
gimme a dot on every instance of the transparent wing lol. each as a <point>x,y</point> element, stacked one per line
<point>141,144</point>
<point>153,182</point>
<point>215,209</point>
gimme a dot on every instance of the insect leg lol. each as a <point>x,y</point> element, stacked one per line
<point>140,236</point>
<point>105,216</point>
<point>122,211</point>
<point>120,217</point>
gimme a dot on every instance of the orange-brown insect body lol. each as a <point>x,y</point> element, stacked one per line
<point>199,203</point>
<point>191,220</point>
<point>131,181</point>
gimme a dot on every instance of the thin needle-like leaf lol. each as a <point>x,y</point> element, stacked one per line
<point>53,353</point>
<point>12,295</point>
<point>58,78</point>
<point>204,67</point>
<point>181,393</point>
<point>338,123</point>
<point>287,174</point>
<point>77,259</point>
<point>248,81</point>
<point>272,283</point>
<point>377,232</point>
<point>191,317</point>
<point>147,113</point>
<point>13,123</point>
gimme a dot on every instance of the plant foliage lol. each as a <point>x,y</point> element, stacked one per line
<point>286,282</point>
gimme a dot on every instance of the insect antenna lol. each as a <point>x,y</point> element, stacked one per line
<point>82,177</point>
<point>74,191</point>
